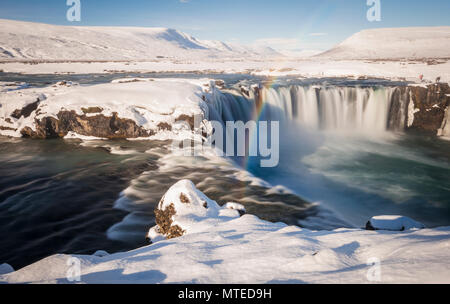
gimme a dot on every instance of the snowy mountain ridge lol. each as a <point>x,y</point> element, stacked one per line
<point>35,41</point>
<point>394,43</point>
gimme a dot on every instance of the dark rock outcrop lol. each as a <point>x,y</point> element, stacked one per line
<point>164,222</point>
<point>190,120</point>
<point>431,103</point>
<point>369,226</point>
<point>26,111</point>
<point>102,126</point>
<point>428,103</point>
<point>92,110</point>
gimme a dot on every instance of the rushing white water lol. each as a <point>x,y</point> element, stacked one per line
<point>353,109</point>
<point>445,129</point>
<point>333,108</point>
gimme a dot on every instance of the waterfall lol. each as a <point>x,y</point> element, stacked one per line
<point>351,109</point>
<point>445,129</point>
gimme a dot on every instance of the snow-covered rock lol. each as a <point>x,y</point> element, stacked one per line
<point>5,269</point>
<point>235,206</point>
<point>122,109</point>
<point>101,253</point>
<point>219,246</point>
<point>183,207</point>
<point>394,43</point>
<point>393,223</point>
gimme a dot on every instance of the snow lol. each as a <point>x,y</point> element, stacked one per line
<point>35,41</point>
<point>394,43</point>
<point>193,206</point>
<point>148,102</point>
<point>305,68</point>
<point>235,206</point>
<point>396,53</point>
<point>221,247</point>
<point>394,223</point>
<point>5,269</point>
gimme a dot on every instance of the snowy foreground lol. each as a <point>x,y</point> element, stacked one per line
<point>219,246</point>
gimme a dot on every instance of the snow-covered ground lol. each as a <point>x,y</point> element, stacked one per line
<point>219,246</point>
<point>314,67</point>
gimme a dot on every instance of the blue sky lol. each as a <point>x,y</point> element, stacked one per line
<point>283,24</point>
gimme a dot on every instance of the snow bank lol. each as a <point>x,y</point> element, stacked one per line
<point>394,43</point>
<point>153,105</point>
<point>218,246</point>
<point>393,223</point>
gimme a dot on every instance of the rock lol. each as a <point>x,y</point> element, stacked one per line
<point>235,206</point>
<point>164,126</point>
<point>430,106</point>
<point>100,253</point>
<point>97,126</point>
<point>393,223</point>
<point>92,110</point>
<point>165,222</point>
<point>190,120</point>
<point>26,111</point>
<point>182,206</point>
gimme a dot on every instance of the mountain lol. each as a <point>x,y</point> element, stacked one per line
<point>394,43</point>
<point>35,41</point>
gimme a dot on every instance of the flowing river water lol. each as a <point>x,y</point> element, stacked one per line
<point>342,160</point>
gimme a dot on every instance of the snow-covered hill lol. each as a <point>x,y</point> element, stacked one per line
<point>394,43</point>
<point>25,40</point>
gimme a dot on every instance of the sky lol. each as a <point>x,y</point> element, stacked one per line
<point>281,24</point>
